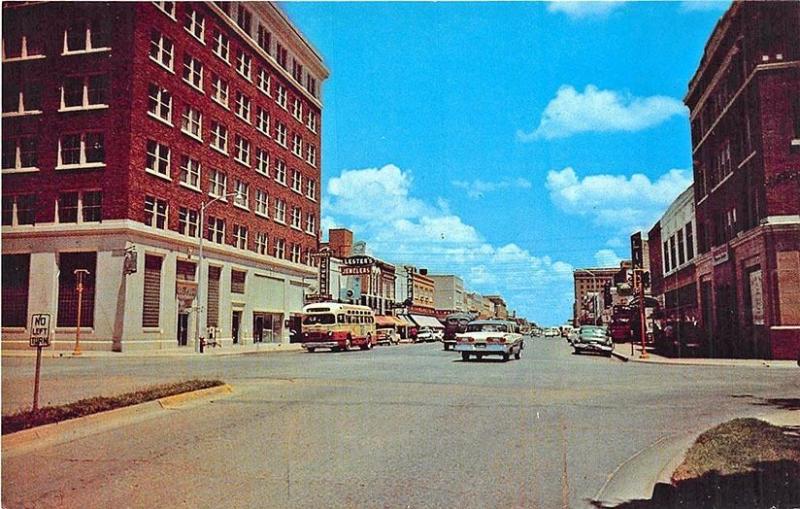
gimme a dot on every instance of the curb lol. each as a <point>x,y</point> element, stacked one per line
<point>25,441</point>
<point>229,351</point>
<point>620,356</point>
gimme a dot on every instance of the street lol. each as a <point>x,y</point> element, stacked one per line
<point>402,426</point>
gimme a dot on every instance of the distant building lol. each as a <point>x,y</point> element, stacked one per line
<point>589,284</point>
<point>449,294</point>
<point>499,309</point>
<point>744,103</point>
<point>417,288</point>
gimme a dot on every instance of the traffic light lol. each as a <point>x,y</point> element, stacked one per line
<point>607,300</point>
<point>646,279</point>
<point>636,250</point>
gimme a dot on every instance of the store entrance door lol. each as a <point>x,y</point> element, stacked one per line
<point>236,320</point>
<point>183,328</point>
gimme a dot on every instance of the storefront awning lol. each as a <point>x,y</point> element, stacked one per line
<point>388,321</point>
<point>405,321</point>
<point>427,321</point>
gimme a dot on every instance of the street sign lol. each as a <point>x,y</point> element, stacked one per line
<point>40,331</point>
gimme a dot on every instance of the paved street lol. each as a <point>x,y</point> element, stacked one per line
<point>404,426</point>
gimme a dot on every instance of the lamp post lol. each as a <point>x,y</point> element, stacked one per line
<point>199,306</point>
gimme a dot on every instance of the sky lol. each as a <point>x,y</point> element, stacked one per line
<point>506,143</point>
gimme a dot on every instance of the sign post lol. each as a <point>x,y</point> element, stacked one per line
<point>40,337</point>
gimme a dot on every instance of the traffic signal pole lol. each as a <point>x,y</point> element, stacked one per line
<point>642,317</point>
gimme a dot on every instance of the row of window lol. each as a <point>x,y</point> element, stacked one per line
<point>75,150</point>
<point>679,248</point>
<point>71,207</point>
<point>86,36</point>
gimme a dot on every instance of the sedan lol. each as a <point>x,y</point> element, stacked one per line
<point>594,339</point>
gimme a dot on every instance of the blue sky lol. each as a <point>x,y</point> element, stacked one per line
<point>507,143</point>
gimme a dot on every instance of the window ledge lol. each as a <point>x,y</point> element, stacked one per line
<point>198,39</point>
<point>262,214</point>
<point>312,130</point>
<point>280,222</point>
<point>311,233</point>
<point>160,64</point>
<point>23,59</point>
<point>263,174</point>
<point>219,198</point>
<point>192,136</point>
<point>90,107</point>
<point>21,113</point>
<point>311,198</point>
<point>243,207</point>
<point>246,164</point>
<point>297,191</point>
<point>293,227</point>
<point>72,330</point>
<point>299,156</point>
<point>80,166</point>
<point>190,187</point>
<point>281,182</point>
<point>199,89</point>
<point>152,330</point>
<point>795,142</point>
<point>159,175</point>
<point>31,169</point>
<point>244,119</point>
<point>156,117</point>
<point>221,151</point>
<point>84,51</point>
<point>248,78</point>
<point>220,103</point>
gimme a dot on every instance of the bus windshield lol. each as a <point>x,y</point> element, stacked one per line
<point>324,319</point>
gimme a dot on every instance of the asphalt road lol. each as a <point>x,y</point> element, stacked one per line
<point>405,426</point>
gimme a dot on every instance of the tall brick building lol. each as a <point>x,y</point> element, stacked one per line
<point>121,121</point>
<point>745,118</point>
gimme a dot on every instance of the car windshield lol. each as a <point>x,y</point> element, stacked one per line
<point>486,327</point>
<point>593,331</point>
<point>323,319</point>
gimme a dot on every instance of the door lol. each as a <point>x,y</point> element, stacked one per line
<point>183,328</point>
<point>236,320</point>
<point>258,328</point>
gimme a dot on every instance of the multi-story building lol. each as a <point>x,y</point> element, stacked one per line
<point>473,303</point>
<point>449,295</point>
<point>130,130</point>
<point>499,309</point>
<point>415,287</point>
<point>744,101</point>
<point>589,284</point>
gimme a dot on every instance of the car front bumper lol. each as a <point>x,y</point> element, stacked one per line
<point>593,347</point>
<point>321,344</point>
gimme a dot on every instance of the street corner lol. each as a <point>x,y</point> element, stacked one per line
<point>195,397</point>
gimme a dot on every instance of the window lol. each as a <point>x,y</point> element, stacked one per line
<point>193,71</point>
<point>83,149</point>
<point>238,278</point>
<point>242,106</point>
<point>262,162</point>
<point>192,122</point>
<point>280,171</point>
<point>158,158</point>
<point>280,134</point>
<point>212,302</point>
<point>151,297</point>
<point>280,211</point>
<point>281,55</point>
<point>311,189</point>
<point>195,24</point>
<point>297,217</point>
<point>216,230</point>
<point>264,38</point>
<point>264,81</point>
<point>297,109</point>
<point>281,97</point>
<point>188,222</point>
<point>311,122</point>
<point>167,7</point>
<point>311,155</point>
<point>68,264</point>
<point>190,172</point>
<point>221,46</point>
<point>18,46</point>
<point>262,244</point>
<point>84,37</point>
<point>240,236</point>
<point>242,190</point>
<point>22,100</point>
<point>297,71</point>
<point>262,203</point>
<point>796,113</point>
<point>16,282</point>
<point>155,212</point>
<point>295,253</point>
<point>280,248</point>
<point>20,154</point>
<point>84,92</point>
<point>219,90</point>
<point>243,64</point>
<point>673,259</point>
<point>689,241</point>
<point>311,224</point>
<point>666,256</point>
<point>297,145</point>
<point>218,184</point>
<point>297,181</point>
<point>219,137</point>
<point>161,49</point>
<point>68,207</point>
<point>681,251</point>
<point>242,150</point>
<point>19,209</point>
<point>159,103</point>
<point>91,206</point>
<point>262,120</point>
<point>244,19</point>
<point>311,85</point>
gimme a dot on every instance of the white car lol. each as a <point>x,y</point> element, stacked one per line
<point>490,337</point>
<point>429,335</point>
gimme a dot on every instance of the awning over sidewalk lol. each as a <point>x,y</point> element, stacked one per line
<point>388,321</point>
<point>405,321</point>
<point>427,321</point>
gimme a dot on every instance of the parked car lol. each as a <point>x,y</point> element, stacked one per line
<point>593,338</point>
<point>428,335</point>
<point>490,337</point>
<point>386,336</point>
<point>551,332</point>
<point>573,335</point>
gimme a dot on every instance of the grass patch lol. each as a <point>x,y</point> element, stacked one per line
<point>29,419</point>
<point>736,446</point>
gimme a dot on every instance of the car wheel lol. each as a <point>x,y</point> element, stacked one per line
<point>576,352</point>
<point>518,354</point>
<point>464,356</point>
<point>310,350</point>
<point>506,357</point>
<point>335,349</point>
<point>446,347</point>
<point>479,356</point>
<point>347,345</point>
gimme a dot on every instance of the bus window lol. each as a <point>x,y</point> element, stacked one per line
<point>342,319</point>
<point>325,319</point>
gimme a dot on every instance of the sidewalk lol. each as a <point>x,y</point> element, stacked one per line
<point>622,351</point>
<point>187,351</point>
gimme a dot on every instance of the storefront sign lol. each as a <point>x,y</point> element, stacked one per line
<point>359,260</point>
<point>185,292</point>
<point>756,298</point>
<point>719,255</point>
<point>355,271</point>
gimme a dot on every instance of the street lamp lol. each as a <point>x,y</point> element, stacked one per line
<point>199,307</point>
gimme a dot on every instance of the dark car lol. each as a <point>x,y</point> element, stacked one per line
<point>595,339</point>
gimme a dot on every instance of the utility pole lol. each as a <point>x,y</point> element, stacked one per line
<point>642,317</point>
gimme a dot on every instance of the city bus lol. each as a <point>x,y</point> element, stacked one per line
<point>337,326</point>
<point>620,327</point>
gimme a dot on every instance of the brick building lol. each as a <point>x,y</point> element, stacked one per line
<point>588,284</point>
<point>123,125</point>
<point>745,117</point>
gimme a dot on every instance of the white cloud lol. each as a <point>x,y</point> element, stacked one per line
<point>400,228</point>
<point>478,188</point>
<point>625,203</point>
<point>607,258</point>
<point>704,5</point>
<point>584,9</point>
<point>614,242</point>
<point>594,110</point>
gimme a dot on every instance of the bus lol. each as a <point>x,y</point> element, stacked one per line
<point>337,326</point>
<point>620,327</point>
<point>455,323</point>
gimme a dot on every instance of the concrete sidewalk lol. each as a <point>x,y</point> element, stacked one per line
<point>622,351</point>
<point>168,352</point>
